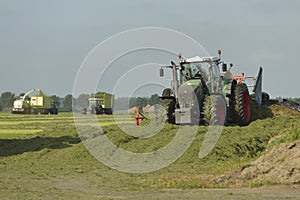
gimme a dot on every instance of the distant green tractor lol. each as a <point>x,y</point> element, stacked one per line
<point>99,103</point>
<point>200,94</point>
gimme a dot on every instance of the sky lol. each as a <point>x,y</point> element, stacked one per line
<point>45,44</point>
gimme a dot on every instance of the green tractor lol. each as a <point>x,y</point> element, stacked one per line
<point>99,103</point>
<point>201,94</point>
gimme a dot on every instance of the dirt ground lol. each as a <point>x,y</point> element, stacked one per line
<point>281,164</point>
<point>263,193</point>
<point>78,191</point>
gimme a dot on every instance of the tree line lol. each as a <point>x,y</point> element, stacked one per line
<point>64,104</point>
<point>124,103</point>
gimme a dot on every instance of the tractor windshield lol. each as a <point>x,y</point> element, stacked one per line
<point>196,70</point>
<point>93,103</point>
<point>208,71</point>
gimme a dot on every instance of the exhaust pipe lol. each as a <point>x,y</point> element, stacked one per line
<point>175,78</point>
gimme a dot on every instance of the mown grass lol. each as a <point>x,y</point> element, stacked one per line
<point>10,134</point>
<point>292,136</point>
<point>52,156</point>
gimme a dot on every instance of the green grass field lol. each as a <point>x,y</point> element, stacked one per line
<point>42,157</point>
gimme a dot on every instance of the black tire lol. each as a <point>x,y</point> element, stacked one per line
<point>108,111</point>
<point>54,111</point>
<point>167,92</point>
<point>169,108</point>
<point>214,110</point>
<point>265,98</point>
<point>35,111</point>
<point>99,110</point>
<point>45,111</point>
<point>168,103</point>
<point>242,104</point>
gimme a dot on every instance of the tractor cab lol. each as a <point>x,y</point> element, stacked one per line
<point>206,69</point>
<point>95,105</point>
<point>99,103</point>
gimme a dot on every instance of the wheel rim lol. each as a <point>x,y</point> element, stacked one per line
<point>247,106</point>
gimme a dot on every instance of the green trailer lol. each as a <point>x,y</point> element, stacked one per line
<point>42,104</point>
<point>39,103</point>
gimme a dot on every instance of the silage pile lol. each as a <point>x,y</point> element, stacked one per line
<point>281,165</point>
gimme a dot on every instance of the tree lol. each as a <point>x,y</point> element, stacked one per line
<point>132,102</point>
<point>67,103</point>
<point>121,103</point>
<point>140,102</point>
<point>1,107</point>
<point>7,99</point>
<point>154,99</point>
<point>56,100</point>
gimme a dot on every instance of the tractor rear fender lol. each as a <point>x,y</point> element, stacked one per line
<point>167,97</point>
<point>229,87</point>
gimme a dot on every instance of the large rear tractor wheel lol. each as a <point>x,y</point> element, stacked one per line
<point>242,104</point>
<point>214,110</point>
<point>99,110</point>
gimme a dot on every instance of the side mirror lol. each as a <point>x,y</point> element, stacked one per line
<point>224,67</point>
<point>161,72</point>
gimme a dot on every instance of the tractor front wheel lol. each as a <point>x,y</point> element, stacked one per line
<point>169,109</point>
<point>168,104</point>
<point>214,110</point>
